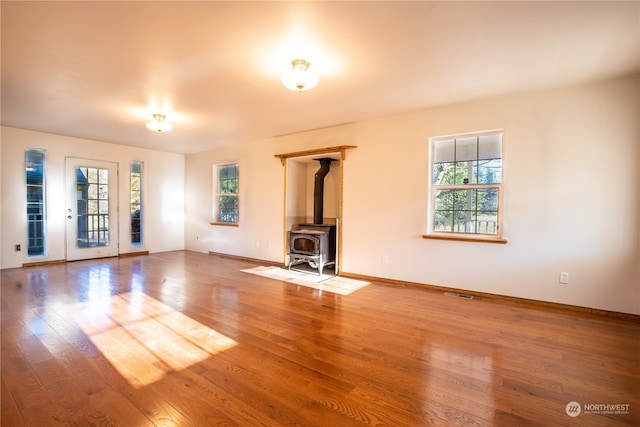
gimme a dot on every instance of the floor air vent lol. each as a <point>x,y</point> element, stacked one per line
<point>457,295</point>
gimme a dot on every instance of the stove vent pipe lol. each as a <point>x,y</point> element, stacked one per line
<point>318,189</point>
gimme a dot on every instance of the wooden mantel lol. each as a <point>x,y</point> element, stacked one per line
<point>316,151</point>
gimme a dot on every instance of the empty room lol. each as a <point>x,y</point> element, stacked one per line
<point>340,213</point>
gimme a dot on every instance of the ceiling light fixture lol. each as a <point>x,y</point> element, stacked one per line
<point>299,78</point>
<point>158,124</point>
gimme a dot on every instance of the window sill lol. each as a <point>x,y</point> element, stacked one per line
<point>462,238</point>
<point>226,224</point>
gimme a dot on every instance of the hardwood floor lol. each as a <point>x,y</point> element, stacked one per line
<point>187,339</point>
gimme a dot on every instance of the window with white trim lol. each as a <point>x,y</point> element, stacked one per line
<point>36,226</point>
<point>466,186</point>
<point>135,204</point>
<point>225,206</point>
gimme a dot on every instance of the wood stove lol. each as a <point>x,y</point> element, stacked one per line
<point>314,244</point>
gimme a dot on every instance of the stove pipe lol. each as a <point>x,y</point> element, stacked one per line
<point>318,189</point>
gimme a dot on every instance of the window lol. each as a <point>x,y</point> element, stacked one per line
<point>466,186</point>
<point>136,203</point>
<point>34,165</point>
<point>92,185</point>
<point>226,197</point>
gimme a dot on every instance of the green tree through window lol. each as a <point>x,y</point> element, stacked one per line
<point>227,193</point>
<point>466,182</point>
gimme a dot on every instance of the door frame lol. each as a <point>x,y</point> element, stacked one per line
<point>72,251</point>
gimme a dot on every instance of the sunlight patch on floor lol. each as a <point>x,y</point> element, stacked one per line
<point>334,284</point>
<point>144,339</point>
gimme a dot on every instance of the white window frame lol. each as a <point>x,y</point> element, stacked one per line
<point>217,194</point>
<point>136,190</point>
<point>477,236</point>
<point>30,203</point>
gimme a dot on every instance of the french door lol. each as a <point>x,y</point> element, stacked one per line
<point>91,209</point>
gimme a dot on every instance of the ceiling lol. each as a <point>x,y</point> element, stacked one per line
<point>99,70</point>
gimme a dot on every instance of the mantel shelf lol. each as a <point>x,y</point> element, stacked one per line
<point>339,149</point>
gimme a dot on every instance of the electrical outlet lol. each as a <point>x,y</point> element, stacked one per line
<point>385,259</point>
<point>17,248</point>
<point>564,277</point>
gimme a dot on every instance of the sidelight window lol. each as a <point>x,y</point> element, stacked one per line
<point>34,165</point>
<point>135,204</point>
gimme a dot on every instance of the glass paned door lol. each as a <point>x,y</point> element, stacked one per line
<point>91,209</point>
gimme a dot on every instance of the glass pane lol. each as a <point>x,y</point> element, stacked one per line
<point>464,173</point>
<point>92,192</point>
<point>487,222</point>
<point>103,191</point>
<point>228,209</point>
<point>444,173</point>
<point>92,175</point>
<point>490,146</point>
<point>229,186</point>
<point>466,149</point>
<point>487,199</point>
<point>228,179</point>
<point>135,200</point>
<point>34,162</point>
<point>135,204</point>
<point>233,172</point>
<point>34,156</point>
<point>93,207</point>
<point>489,171</point>
<point>103,176</point>
<point>444,200</point>
<point>34,194</point>
<point>444,151</point>
<point>463,221</point>
<point>34,171</point>
<point>135,227</point>
<point>443,221</point>
<point>463,200</point>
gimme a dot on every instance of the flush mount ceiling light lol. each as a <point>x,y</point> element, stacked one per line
<point>299,78</point>
<point>158,124</point>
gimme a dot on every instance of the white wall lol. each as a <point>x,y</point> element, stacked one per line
<point>331,199</point>
<point>261,203</point>
<point>296,199</point>
<point>571,197</point>
<point>2,245</point>
<point>163,189</point>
